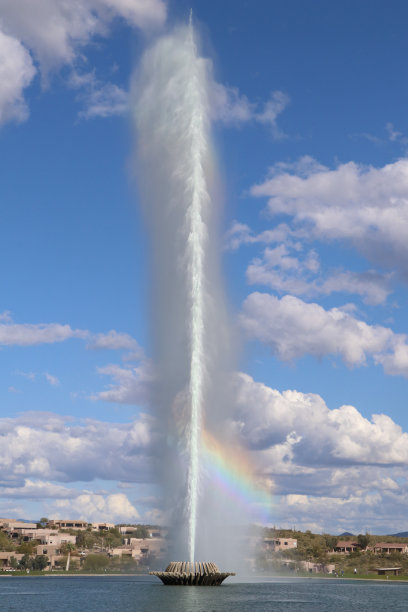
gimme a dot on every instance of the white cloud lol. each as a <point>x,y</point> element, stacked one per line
<point>48,447</point>
<point>144,14</point>
<point>131,386</point>
<point>312,434</point>
<point>232,108</point>
<point>52,380</point>
<point>287,270</point>
<point>16,73</point>
<point>26,334</point>
<point>293,328</point>
<point>38,490</point>
<point>115,341</point>
<point>56,30</point>
<point>104,100</point>
<point>396,361</point>
<point>91,507</point>
<point>56,33</point>
<point>332,468</point>
<point>364,205</point>
<point>240,233</point>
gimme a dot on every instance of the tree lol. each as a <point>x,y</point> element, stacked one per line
<point>67,548</point>
<point>113,538</point>
<point>95,562</point>
<point>331,541</point>
<point>87,539</point>
<point>27,548</point>
<point>6,544</point>
<point>39,562</point>
<point>43,522</point>
<point>26,562</point>
<point>363,541</point>
<point>141,532</point>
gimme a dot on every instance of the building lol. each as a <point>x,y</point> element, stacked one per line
<point>44,536</point>
<point>279,544</point>
<point>390,547</point>
<point>69,524</point>
<point>10,524</point>
<point>102,526</point>
<point>5,559</point>
<point>344,546</point>
<point>318,568</point>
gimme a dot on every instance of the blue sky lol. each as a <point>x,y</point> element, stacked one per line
<point>309,106</point>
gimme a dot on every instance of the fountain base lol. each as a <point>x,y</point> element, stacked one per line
<point>184,573</point>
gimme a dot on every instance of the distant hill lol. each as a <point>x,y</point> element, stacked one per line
<point>402,534</point>
<point>347,533</point>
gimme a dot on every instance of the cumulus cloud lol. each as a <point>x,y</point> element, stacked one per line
<point>56,32</point>
<point>115,341</point>
<point>333,469</point>
<point>232,108</point>
<point>16,73</point>
<point>312,434</point>
<point>27,334</point>
<point>292,328</point>
<point>91,507</point>
<point>48,447</point>
<point>37,490</point>
<point>31,334</point>
<point>377,508</point>
<point>287,269</point>
<point>131,384</point>
<point>364,205</point>
<point>240,233</point>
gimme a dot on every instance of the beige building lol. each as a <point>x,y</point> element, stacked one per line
<point>5,559</point>
<point>44,536</point>
<point>10,524</point>
<point>68,524</point>
<point>279,544</point>
<point>140,549</point>
<point>318,568</point>
<point>390,547</point>
<point>102,526</point>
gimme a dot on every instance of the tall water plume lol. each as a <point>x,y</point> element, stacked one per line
<point>179,193</point>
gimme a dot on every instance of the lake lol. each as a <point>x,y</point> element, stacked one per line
<point>147,594</point>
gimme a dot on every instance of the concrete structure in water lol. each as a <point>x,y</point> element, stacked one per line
<point>195,574</point>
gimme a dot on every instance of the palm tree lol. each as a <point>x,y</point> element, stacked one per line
<point>67,548</point>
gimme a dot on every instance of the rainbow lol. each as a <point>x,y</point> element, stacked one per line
<point>229,467</point>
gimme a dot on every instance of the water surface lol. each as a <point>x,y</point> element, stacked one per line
<point>147,594</point>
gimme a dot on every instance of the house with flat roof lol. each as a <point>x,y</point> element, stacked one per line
<point>44,536</point>
<point>279,544</point>
<point>68,524</point>
<point>5,559</point>
<point>390,547</point>
<point>10,524</point>
<point>102,526</point>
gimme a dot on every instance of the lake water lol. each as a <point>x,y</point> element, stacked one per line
<point>147,594</point>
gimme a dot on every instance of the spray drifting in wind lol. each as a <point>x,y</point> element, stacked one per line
<point>175,176</point>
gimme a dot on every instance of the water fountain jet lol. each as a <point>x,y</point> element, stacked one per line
<point>175,164</point>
